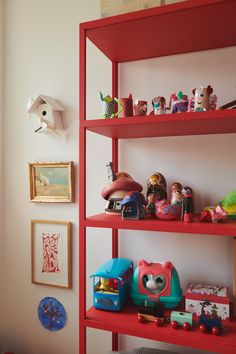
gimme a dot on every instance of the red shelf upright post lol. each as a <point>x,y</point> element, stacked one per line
<point>82,195</point>
<point>115,250</point>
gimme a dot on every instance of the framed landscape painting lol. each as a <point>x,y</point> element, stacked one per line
<point>51,253</point>
<point>51,182</point>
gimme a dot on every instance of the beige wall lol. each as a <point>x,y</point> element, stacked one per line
<point>41,54</point>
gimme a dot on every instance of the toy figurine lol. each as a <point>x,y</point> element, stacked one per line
<point>156,282</point>
<point>180,104</point>
<point>203,99</point>
<point>150,208</point>
<point>128,106</point>
<point>213,214</point>
<point>165,211</point>
<point>159,105</point>
<point>133,206</point>
<point>176,194</point>
<point>157,184</point>
<point>187,205</point>
<point>140,108</point>
<point>229,204</point>
<point>114,192</point>
<point>109,106</point>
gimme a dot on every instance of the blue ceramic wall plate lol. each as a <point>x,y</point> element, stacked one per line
<point>52,314</point>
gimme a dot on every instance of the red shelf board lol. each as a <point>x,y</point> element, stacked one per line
<point>115,221</point>
<point>165,30</point>
<point>191,123</point>
<point>126,322</point>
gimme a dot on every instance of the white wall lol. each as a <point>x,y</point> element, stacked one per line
<point>42,57</point>
<point>1,153</point>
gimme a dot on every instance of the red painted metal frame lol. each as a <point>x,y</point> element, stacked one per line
<point>108,35</point>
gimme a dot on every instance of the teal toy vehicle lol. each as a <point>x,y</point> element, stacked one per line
<point>111,284</point>
<point>156,282</point>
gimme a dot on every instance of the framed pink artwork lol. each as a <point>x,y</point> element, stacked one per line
<point>51,253</point>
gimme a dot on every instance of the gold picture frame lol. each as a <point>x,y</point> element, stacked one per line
<point>51,182</point>
<point>51,253</point>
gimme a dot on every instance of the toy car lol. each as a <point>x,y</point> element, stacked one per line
<point>152,314</point>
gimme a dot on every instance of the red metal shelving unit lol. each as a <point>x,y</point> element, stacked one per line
<point>215,25</point>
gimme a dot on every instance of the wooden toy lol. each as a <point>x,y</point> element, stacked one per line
<point>150,209</point>
<point>111,283</point>
<point>140,108</point>
<point>109,106</point>
<point>118,185</point>
<point>187,205</point>
<point>156,282</point>
<point>165,211</point>
<point>182,319</point>
<point>133,206</point>
<point>151,314</point>
<point>176,194</point>
<point>157,184</point>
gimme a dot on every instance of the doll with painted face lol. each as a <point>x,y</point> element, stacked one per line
<point>187,205</point>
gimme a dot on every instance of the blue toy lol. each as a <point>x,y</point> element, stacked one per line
<point>111,284</point>
<point>156,282</point>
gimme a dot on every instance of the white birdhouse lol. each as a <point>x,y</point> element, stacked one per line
<point>48,113</point>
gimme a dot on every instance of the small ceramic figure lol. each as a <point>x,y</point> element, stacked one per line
<point>133,206</point>
<point>202,97</point>
<point>159,105</point>
<point>128,106</point>
<point>187,205</point>
<point>109,106</point>
<point>181,104</point>
<point>140,108</point>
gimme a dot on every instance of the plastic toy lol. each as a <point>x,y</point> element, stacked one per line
<point>213,214</point>
<point>165,211</point>
<point>140,108</point>
<point>118,185</point>
<point>133,206</point>
<point>111,283</point>
<point>109,106</point>
<point>128,106</point>
<point>156,282</point>
<point>187,205</point>
<point>183,319</point>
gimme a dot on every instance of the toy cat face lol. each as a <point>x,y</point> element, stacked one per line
<point>154,284</point>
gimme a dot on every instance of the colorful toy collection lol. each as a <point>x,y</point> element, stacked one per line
<point>124,197</point>
<point>202,99</point>
<point>155,289</point>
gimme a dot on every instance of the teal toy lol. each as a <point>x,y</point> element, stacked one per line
<point>156,282</point>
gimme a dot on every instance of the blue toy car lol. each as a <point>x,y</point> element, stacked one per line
<point>111,284</point>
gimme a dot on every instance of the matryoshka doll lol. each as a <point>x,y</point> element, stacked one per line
<point>176,193</point>
<point>187,205</point>
<point>157,184</point>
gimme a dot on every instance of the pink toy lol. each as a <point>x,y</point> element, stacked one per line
<point>166,211</point>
